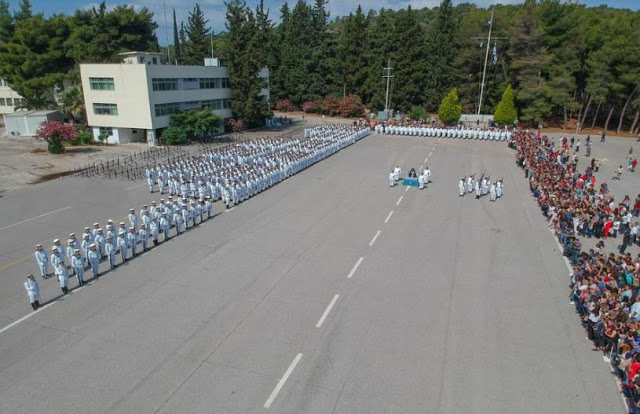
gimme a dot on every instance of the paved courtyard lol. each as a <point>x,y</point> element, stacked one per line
<point>329,293</point>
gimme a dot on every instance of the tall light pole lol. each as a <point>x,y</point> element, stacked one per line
<point>387,74</point>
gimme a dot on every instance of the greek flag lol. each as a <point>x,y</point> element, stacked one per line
<point>495,54</point>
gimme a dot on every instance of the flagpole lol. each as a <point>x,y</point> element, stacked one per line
<point>486,58</point>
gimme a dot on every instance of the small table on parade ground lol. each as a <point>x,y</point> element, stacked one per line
<point>411,182</point>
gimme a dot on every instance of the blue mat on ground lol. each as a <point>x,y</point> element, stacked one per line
<point>411,182</point>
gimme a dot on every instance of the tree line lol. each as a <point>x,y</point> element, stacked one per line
<point>567,64</point>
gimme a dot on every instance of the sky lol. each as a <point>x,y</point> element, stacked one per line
<point>214,10</point>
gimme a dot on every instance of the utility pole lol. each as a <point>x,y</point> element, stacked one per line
<point>387,74</point>
<point>486,58</point>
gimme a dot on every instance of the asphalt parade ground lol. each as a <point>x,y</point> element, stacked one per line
<point>328,293</point>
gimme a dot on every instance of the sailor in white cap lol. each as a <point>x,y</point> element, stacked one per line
<point>111,252</point>
<point>122,245</point>
<point>132,240</point>
<point>208,205</point>
<point>59,247</point>
<point>63,277</point>
<point>133,219</point>
<point>86,242</point>
<point>122,227</point>
<point>94,260</point>
<point>94,231</point>
<point>42,260</point>
<point>143,235</point>
<point>154,228</point>
<point>164,226</point>
<point>461,187</point>
<point>33,290</point>
<point>71,247</point>
<point>100,241</point>
<point>78,263</point>
<point>87,232</point>
<point>56,257</point>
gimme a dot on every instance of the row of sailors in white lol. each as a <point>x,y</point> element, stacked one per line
<point>482,187</point>
<point>423,178</point>
<point>323,130</point>
<point>466,133</point>
<point>97,245</point>
<point>250,161</point>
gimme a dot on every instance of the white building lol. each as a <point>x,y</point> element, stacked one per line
<point>9,98</point>
<point>133,100</point>
<point>26,123</point>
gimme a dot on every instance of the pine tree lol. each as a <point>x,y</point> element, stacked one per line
<point>352,45</point>
<point>506,111</point>
<point>25,11</point>
<point>441,53</point>
<point>240,48</point>
<point>198,43</point>
<point>176,39</point>
<point>6,22</point>
<point>450,109</point>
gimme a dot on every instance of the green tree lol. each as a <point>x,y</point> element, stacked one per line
<point>98,35</point>
<point>450,109</point>
<point>174,135</point>
<point>408,39</point>
<point>25,11</point>
<point>352,46</point>
<point>441,52</point>
<point>34,60</point>
<point>506,111</point>
<point>72,102</point>
<point>6,22</point>
<point>198,44</point>
<point>241,49</point>
<point>418,112</point>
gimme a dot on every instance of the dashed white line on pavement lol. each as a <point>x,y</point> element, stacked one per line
<point>134,186</point>
<point>326,311</point>
<point>407,189</point>
<point>284,379</point>
<point>388,216</point>
<point>430,153</point>
<point>36,217</point>
<point>399,200</point>
<point>24,318</point>
<point>355,267</point>
<point>374,238</point>
<point>426,159</point>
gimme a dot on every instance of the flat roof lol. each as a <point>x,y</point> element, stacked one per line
<point>30,113</point>
<point>140,53</point>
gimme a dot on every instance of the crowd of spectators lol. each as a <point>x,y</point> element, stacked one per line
<point>605,286</point>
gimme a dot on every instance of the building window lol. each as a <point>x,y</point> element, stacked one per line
<point>9,102</point>
<point>154,60</point>
<point>105,109</point>
<point>226,103</point>
<point>167,109</point>
<point>165,84</point>
<point>214,83</point>
<point>106,132</point>
<point>225,84</point>
<point>102,84</point>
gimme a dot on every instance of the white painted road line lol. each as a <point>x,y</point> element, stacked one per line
<point>355,267</point>
<point>284,379</point>
<point>36,217</point>
<point>134,186</point>
<point>430,154</point>
<point>24,318</point>
<point>326,311</point>
<point>374,238</point>
<point>407,189</point>
<point>388,216</point>
<point>426,159</point>
<point>399,200</point>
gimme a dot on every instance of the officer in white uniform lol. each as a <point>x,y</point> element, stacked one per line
<point>33,290</point>
<point>77,263</point>
<point>94,260</point>
<point>63,277</point>
<point>461,187</point>
<point>42,260</point>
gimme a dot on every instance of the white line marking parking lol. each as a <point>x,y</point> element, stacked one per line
<point>284,379</point>
<point>355,267</point>
<point>326,311</point>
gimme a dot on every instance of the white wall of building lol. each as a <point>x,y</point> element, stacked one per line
<point>9,98</point>
<point>136,100</point>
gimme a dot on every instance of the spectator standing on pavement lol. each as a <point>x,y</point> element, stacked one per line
<point>33,290</point>
<point>602,137</point>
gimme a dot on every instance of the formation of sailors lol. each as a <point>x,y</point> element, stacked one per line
<point>491,134</point>
<point>482,186</point>
<point>230,174</point>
